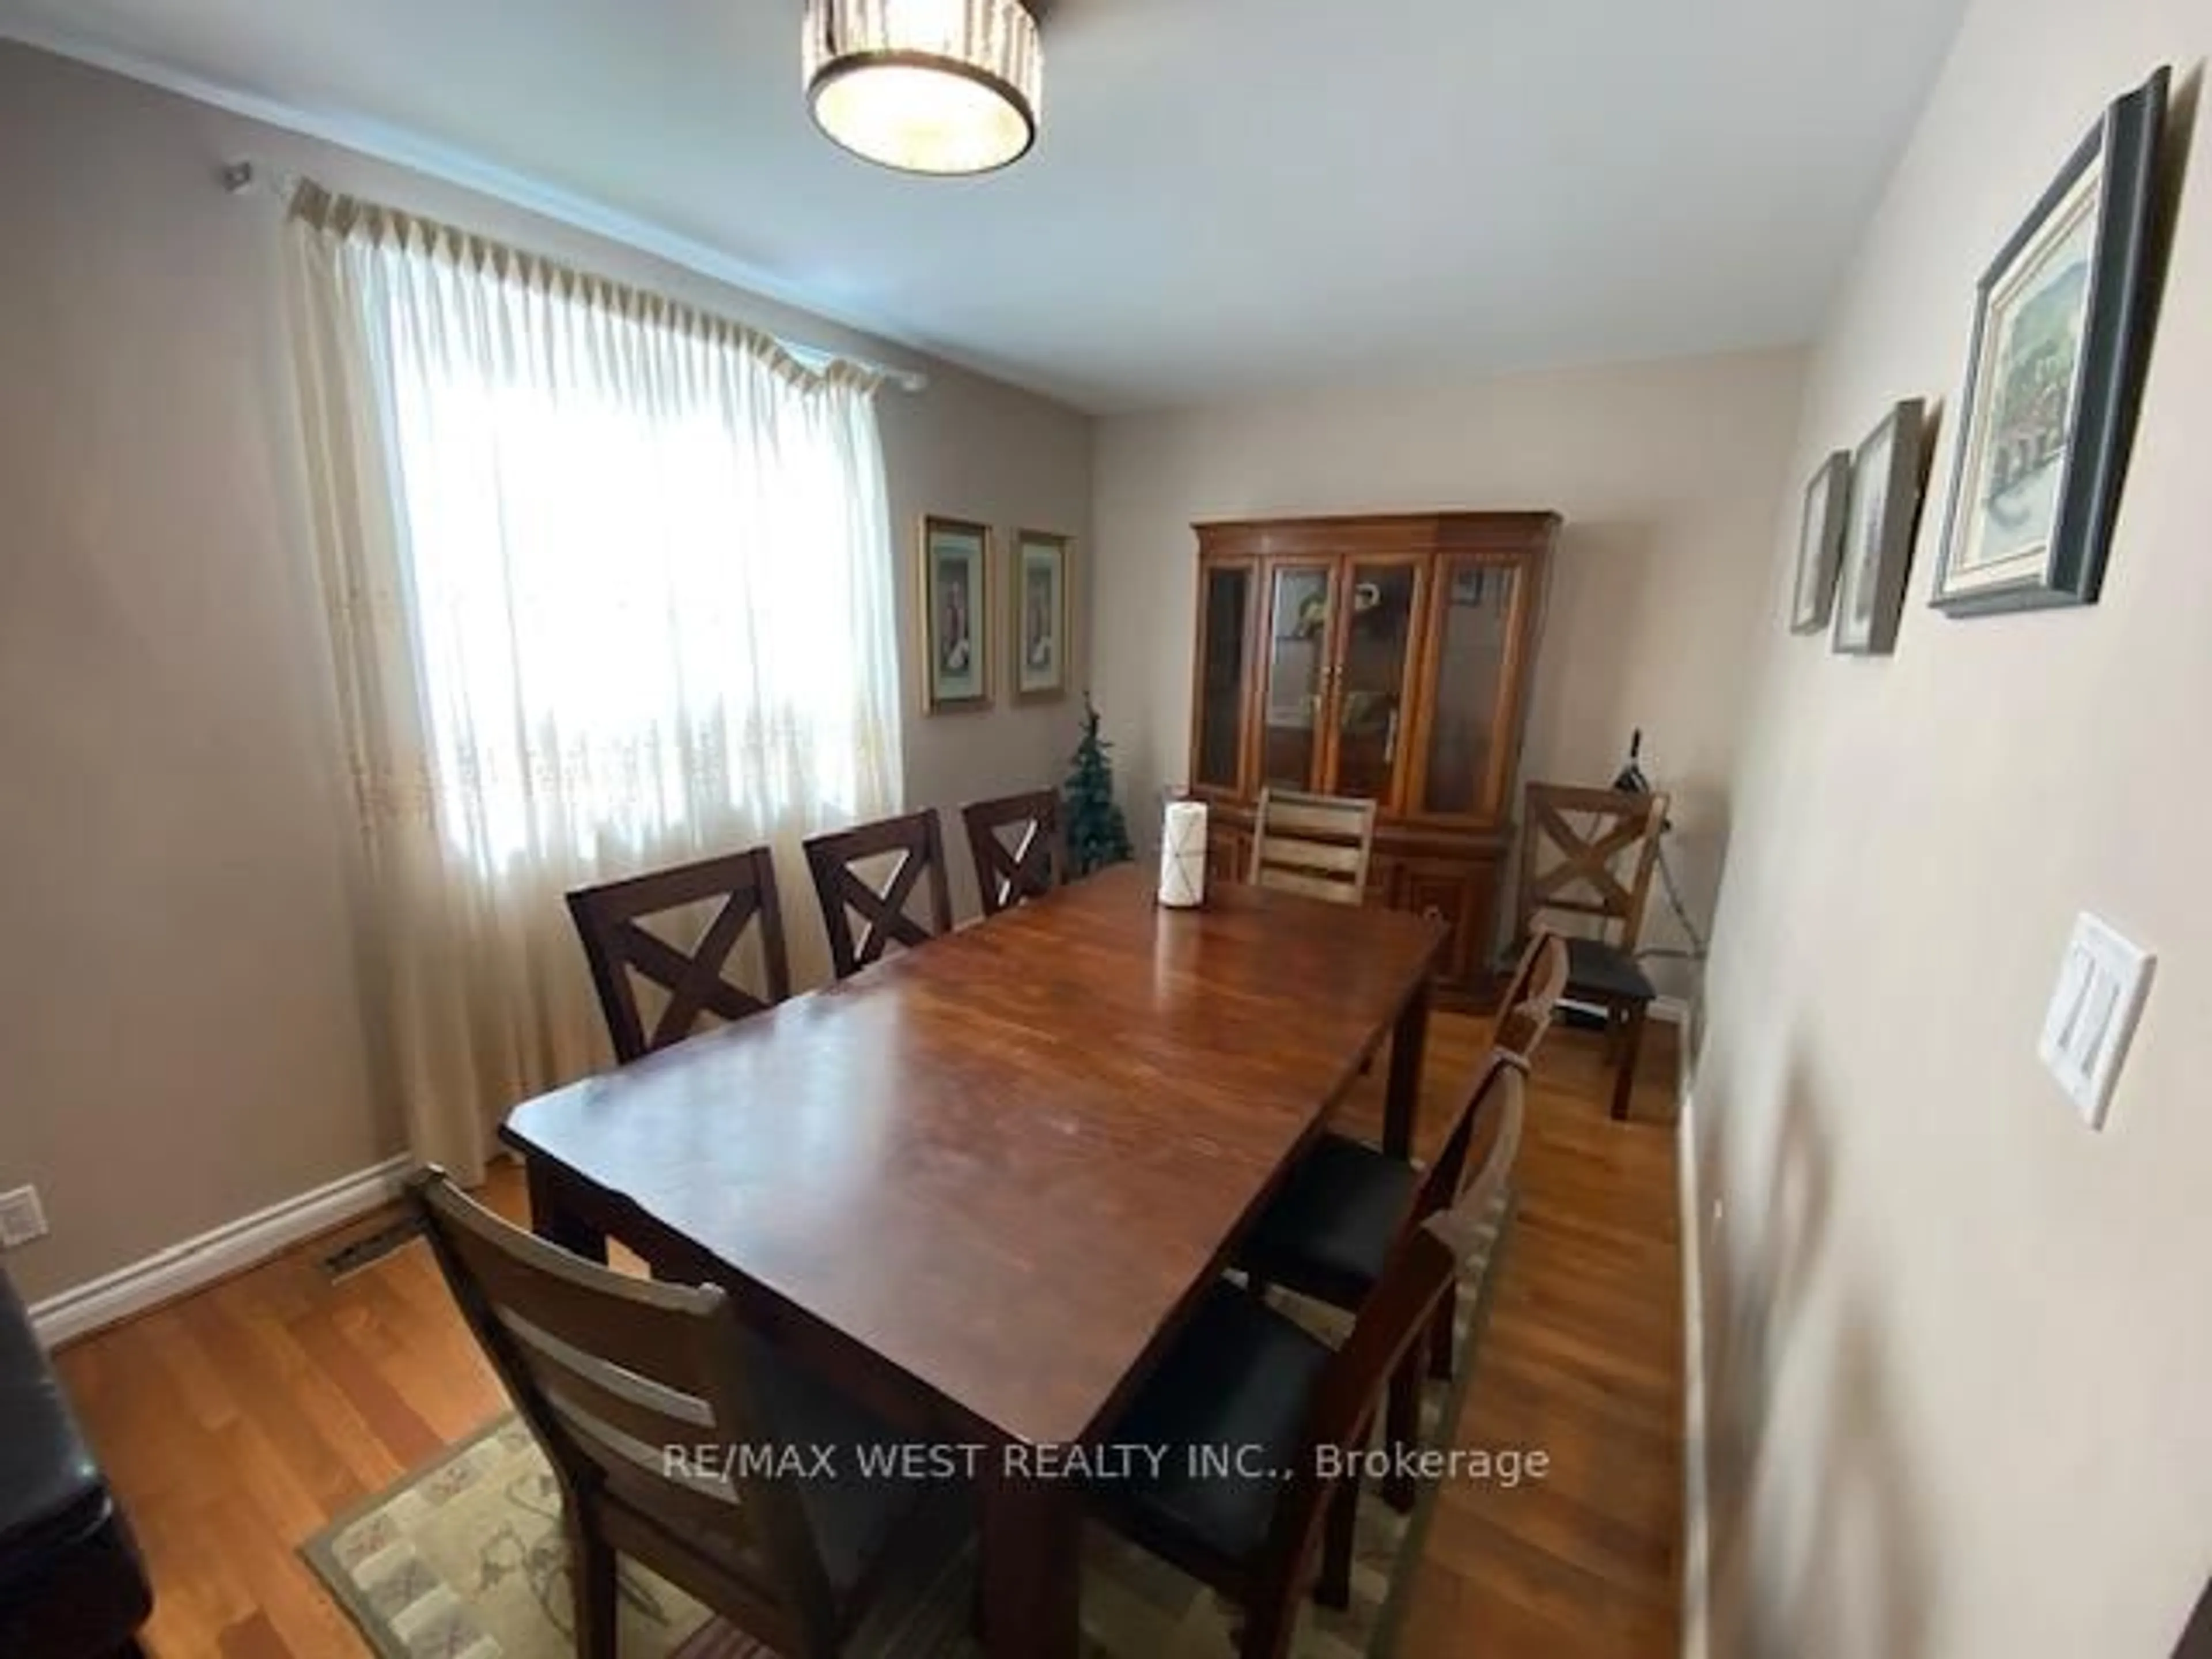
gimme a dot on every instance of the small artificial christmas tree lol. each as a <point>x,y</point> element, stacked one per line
<point>1097,835</point>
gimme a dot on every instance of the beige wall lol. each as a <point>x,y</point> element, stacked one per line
<point>1961,1347</point>
<point>178,1007</point>
<point>1667,475</point>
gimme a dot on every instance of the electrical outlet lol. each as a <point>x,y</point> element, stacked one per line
<point>21,1218</point>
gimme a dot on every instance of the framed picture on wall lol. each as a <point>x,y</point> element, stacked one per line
<point>1821,544</point>
<point>954,602</point>
<point>1885,506</point>
<point>1041,616</point>
<point>2061,325</point>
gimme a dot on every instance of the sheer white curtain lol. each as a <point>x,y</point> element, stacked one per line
<point>610,586</point>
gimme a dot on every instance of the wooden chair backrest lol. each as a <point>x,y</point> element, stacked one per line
<point>1441,1181</point>
<point>1030,866</point>
<point>1532,997</point>
<point>1582,875</point>
<point>616,946</point>
<point>1424,1264</point>
<point>1317,845</point>
<point>919,844</point>
<point>609,1370</point>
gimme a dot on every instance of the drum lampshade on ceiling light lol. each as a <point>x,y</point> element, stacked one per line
<point>926,86</point>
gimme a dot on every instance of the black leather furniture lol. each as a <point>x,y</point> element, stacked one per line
<point>71,1584</point>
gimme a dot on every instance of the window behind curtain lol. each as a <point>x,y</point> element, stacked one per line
<point>647,560</point>
<point>610,585</point>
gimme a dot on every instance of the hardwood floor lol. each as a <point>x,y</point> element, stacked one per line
<point>1581,1359</point>
<point>238,1421</point>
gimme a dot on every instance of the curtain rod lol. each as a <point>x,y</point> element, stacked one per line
<point>246,177</point>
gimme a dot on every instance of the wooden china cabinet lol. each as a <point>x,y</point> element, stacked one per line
<point>1384,657</point>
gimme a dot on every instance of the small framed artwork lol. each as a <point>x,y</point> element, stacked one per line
<point>955,602</point>
<point>1885,503</point>
<point>1041,617</point>
<point>2061,322</point>
<point>1820,543</point>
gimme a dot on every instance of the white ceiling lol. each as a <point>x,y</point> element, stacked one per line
<point>1229,195</point>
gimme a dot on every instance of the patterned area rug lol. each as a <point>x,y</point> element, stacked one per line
<point>466,1559</point>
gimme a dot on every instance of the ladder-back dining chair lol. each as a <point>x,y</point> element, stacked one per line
<point>1531,999</point>
<point>1328,1231</point>
<point>916,845</point>
<point>1242,1375</point>
<point>609,1371</point>
<point>1589,853</point>
<point>620,951</point>
<point>1317,845</point>
<point>1028,866</point>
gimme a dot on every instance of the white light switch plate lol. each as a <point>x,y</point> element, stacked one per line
<point>2102,983</point>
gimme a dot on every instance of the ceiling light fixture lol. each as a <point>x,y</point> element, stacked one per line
<point>942,87</point>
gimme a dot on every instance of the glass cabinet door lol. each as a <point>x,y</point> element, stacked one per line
<point>1373,670</point>
<point>1223,636</point>
<point>1297,644</point>
<point>1461,772</point>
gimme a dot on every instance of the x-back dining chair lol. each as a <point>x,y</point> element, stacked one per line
<point>609,1371</point>
<point>1242,1375</point>
<point>620,950</point>
<point>1317,845</point>
<point>1028,867</point>
<point>1574,846</point>
<point>917,844</point>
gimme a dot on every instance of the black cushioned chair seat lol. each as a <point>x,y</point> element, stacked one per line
<point>50,1493</point>
<point>1606,970</point>
<point>70,1581</point>
<point>1240,1378</point>
<point>852,1515</point>
<point>1328,1231</point>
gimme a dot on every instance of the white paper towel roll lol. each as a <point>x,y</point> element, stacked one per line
<point>1182,854</point>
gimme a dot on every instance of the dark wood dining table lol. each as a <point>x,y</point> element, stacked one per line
<point>979,1185</point>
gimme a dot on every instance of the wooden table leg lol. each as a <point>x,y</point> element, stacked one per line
<point>1401,1105</point>
<point>556,1222</point>
<point>1032,1586</point>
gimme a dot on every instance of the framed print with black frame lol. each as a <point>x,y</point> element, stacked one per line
<point>1820,543</point>
<point>2061,329</point>
<point>1885,507</point>
<point>954,606</point>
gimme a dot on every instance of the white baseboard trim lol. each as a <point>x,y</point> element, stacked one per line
<point>181,1268</point>
<point>1696,1537</point>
